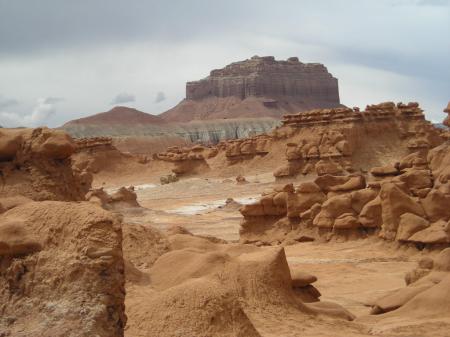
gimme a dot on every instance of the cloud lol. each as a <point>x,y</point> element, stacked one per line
<point>160,96</point>
<point>122,98</point>
<point>438,3</point>
<point>164,44</point>
<point>53,100</point>
<point>42,111</point>
<point>7,102</point>
<point>429,3</point>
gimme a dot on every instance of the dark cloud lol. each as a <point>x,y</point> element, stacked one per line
<point>47,24</point>
<point>160,96</point>
<point>122,98</point>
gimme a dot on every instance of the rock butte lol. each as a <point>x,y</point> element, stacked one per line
<point>80,255</point>
<point>258,87</point>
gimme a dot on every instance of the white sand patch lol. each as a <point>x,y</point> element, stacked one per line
<point>141,187</point>
<point>247,200</point>
<point>144,187</point>
<point>202,207</point>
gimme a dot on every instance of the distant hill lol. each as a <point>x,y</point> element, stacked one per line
<point>119,115</point>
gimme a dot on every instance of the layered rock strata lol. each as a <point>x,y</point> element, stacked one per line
<point>264,76</point>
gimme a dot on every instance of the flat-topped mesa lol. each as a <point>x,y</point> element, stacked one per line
<point>267,77</point>
<point>375,112</point>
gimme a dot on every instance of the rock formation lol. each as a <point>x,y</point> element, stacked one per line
<point>403,201</point>
<point>94,154</point>
<point>447,119</point>
<point>122,199</point>
<point>36,163</point>
<point>427,292</point>
<point>185,160</point>
<point>61,271</point>
<point>333,141</point>
<point>264,76</point>
<point>219,290</point>
<point>257,87</point>
<point>61,264</point>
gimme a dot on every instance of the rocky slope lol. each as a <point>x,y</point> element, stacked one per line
<point>138,133</point>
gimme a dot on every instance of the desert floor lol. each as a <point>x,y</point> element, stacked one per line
<point>352,273</point>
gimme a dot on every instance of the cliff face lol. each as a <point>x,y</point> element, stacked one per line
<point>264,76</point>
<point>258,87</point>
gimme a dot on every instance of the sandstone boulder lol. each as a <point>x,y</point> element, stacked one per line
<point>410,224</point>
<point>436,205</point>
<point>394,203</point>
<point>332,209</point>
<point>370,215</point>
<point>436,233</point>
<point>328,167</point>
<point>382,171</point>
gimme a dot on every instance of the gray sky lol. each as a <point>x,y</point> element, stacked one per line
<point>64,59</point>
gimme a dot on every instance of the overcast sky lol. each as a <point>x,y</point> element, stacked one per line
<point>64,59</point>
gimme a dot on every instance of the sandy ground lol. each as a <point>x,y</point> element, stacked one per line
<point>352,273</point>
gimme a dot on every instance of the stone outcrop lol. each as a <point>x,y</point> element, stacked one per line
<point>185,160</point>
<point>122,199</point>
<point>248,148</point>
<point>405,201</point>
<point>266,77</point>
<point>36,163</point>
<point>330,141</point>
<point>426,294</point>
<point>61,271</point>
<point>93,154</point>
<point>447,119</point>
